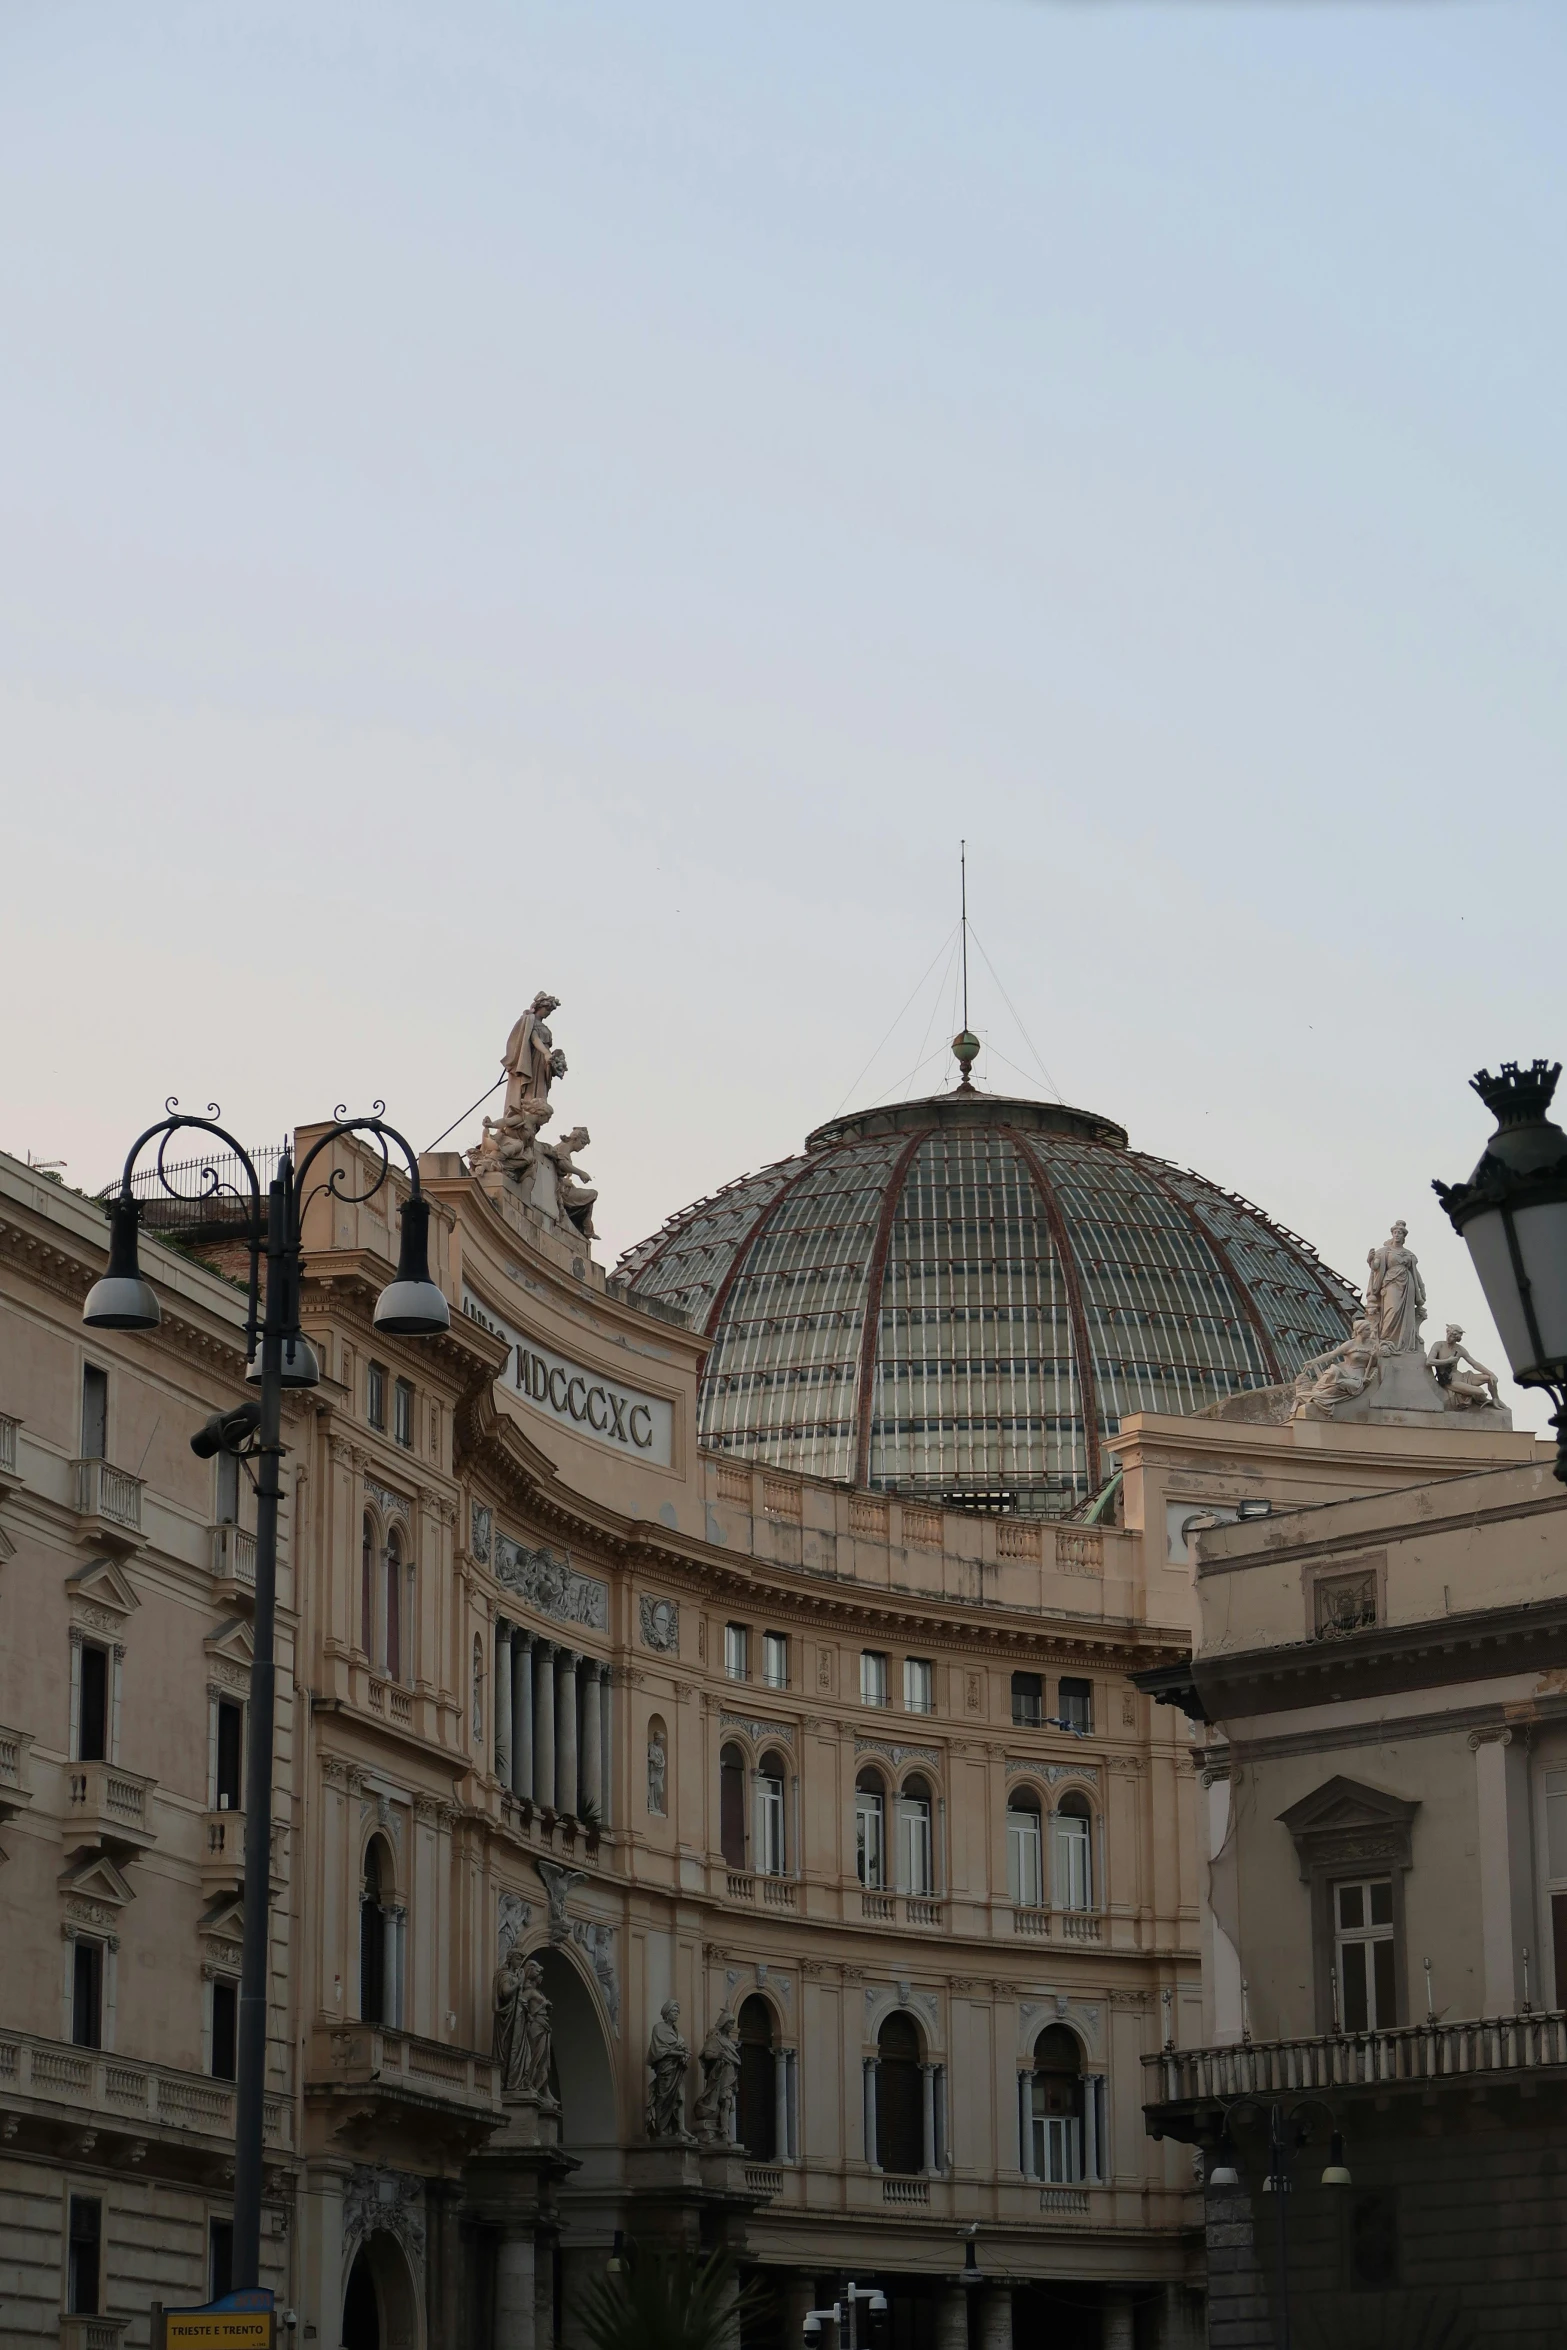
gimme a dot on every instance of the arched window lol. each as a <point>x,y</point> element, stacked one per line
<point>870,1831</point>
<point>758,2081</point>
<point>914,1849</point>
<point>900,2097</point>
<point>1074,1870</point>
<point>1025,1849</point>
<point>769,1847</point>
<point>394,1605</point>
<point>373,1934</point>
<point>1056,2107</point>
<point>731,1806</point>
<point>367,1587</point>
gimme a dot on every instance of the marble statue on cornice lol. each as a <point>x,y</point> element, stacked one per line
<point>1342,1375</point>
<point>1395,1293</point>
<point>531,1063</point>
<point>575,1191</point>
<point>1445,1357</point>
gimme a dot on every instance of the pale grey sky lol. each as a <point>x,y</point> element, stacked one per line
<point>604,496</point>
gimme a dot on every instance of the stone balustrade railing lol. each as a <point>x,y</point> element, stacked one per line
<point>1360,2060</point>
<point>120,2091</point>
<point>114,1495</point>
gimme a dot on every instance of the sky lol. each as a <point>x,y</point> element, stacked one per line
<point>606,497</point>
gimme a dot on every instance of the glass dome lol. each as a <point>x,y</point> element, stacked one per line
<point>964,1296</point>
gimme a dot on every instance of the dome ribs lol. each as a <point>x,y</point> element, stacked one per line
<point>875,1283</point>
<point>1248,1303</point>
<point>1087,1387</point>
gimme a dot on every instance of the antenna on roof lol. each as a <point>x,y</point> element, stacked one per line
<point>965,1045</point>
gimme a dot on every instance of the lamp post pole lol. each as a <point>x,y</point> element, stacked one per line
<point>410,1306</point>
<point>1284,2123</point>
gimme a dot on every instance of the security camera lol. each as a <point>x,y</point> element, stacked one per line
<point>228,1431</point>
<point>813,2328</point>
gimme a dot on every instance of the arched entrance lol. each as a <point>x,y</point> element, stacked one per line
<point>381,2303</point>
<point>580,2071</point>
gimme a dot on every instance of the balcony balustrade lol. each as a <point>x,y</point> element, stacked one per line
<point>223,1852</point>
<point>16,1791</point>
<point>9,1473</point>
<point>1413,2055</point>
<point>108,1501</point>
<point>108,1806</point>
<point>405,2068</point>
<point>233,1563</point>
<point>905,2191</point>
<point>93,2333</point>
<point>53,2077</point>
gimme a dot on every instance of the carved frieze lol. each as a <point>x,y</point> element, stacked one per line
<point>898,1755</point>
<point>758,1730</point>
<point>386,2202</point>
<point>551,1585</point>
<point>392,1505</point>
<point>659,1623</point>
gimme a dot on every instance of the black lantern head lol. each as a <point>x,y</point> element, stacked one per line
<point>412,1306</point>
<point>122,1300</point>
<point>1512,1216</point>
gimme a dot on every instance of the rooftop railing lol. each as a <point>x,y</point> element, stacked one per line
<point>1414,2053</point>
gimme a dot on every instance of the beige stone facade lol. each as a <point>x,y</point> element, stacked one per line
<point>870,1774</point>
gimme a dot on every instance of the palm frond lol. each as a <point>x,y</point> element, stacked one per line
<point>666,2301</point>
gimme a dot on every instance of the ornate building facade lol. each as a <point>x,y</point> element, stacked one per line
<point>668,1842</point>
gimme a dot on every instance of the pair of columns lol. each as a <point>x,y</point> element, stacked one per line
<point>552,1723</point>
<point>932,2087</point>
<point>1093,2110</point>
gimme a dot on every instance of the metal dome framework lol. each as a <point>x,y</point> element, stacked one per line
<point>967,1294</point>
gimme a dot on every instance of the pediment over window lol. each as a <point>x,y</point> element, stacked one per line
<point>234,1642</point>
<point>103,1583</point>
<point>96,1879</point>
<point>1346,1824</point>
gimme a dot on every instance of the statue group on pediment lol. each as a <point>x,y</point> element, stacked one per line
<point>1384,1358</point>
<point>511,1146</point>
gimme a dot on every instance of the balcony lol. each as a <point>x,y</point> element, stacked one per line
<point>53,2079</point>
<point>761,2178</point>
<point>105,1805</point>
<point>16,1791</point>
<point>902,1909</point>
<point>908,2192</point>
<point>391,1702</point>
<point>1413,2057</point>
<point>10,1475</point>
<point>233,1565</point>
<point>223,1853</point>
<point>356,2062</point>
<point>92,2333</point>
<point>108,1503</point>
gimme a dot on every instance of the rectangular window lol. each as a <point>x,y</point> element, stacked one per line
<point>87,1994</point>
<point>375,1395</point>
<point>769,1825</point>
<point>1025,1859</point>
<point>1028,1700</point>
<point>870,1847</point>
<point>1076,1709</point>
<point>919,1685</point>
<point>1074,1866</point>
<point>95,1414</point>
<point>225,2030</point>
<point>914,1830</point>
<point>775,1659</point>
<point>92,1718</point>
<point>231,1750</point>
<point>737,1652</point>
<point>403,1414</point>
<point>1363,1954</point>
<point>84,2256</point>
<point>873,1677</point>
<point>220,2258</point>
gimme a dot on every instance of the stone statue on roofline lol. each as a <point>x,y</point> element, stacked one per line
<point>1382,1370</point>
<point>1395,1293</point>
<point>546,1173</point>
<point>1466,1391</point>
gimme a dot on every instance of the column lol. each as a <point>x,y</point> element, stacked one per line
<point>392,1965</point>
<point>1025,2117</point>
<point>870,2112</point>
<point>321,2250</point>
<point>544,1723</point>
<point>502,1702</point>
<point>1093,2107</point>
<point>565,1731</point>
<point>928,2118</point>
<point>1116,2329</point>
<point>943,2123</point>
<point>781,2060</point>
<point>1496,1884</point>
<point>592,1743</point>
<point>995,2318</point>
<point>952,2319</point>
<point>521,1713</point>
<point>606,1743</point>
<point>514,2291</point>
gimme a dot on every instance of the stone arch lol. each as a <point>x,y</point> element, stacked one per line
<point>381,2304</point>
<point>582,2071</point>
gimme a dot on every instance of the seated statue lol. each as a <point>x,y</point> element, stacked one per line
<point>1464,1393</point>
<point>1343,1373</point>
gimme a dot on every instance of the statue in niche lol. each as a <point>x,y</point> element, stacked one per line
<point>715,2107</point>
<point>1345,1372</point>
<point>1395,1293</point>
<point>657,1773</point>
<point>522,2028</point>
<point>1464,1392</point>
<point>573,1188</point>
<point>668,2059</point>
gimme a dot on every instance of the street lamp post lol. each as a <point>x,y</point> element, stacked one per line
<point>410,1306</point>
<point>874,2301</point>
<point>1512,1217</point>
<point>1286,2135</point>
